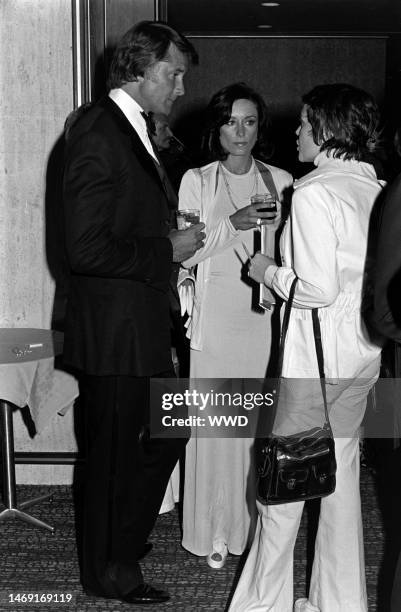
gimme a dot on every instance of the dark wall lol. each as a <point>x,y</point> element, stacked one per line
<point>281,69</point>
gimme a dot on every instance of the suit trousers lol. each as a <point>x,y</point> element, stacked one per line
<point>338,573</point>
<point>125,479</point>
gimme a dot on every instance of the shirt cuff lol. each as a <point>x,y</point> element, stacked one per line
<point>269,275</point>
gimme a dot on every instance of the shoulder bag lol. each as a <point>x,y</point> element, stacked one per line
<point>300,466</point>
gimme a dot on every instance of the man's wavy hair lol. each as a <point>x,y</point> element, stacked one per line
<point>345,120</point>
<point>218,113</point>
<point>141,47</point>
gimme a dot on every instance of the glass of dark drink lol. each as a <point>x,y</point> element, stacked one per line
<point>267,203</point>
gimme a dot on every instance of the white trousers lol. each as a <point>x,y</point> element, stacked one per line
<point>338,573</point>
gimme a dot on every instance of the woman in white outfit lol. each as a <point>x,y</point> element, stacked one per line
<point>229,338</point>
<point>324,244</point>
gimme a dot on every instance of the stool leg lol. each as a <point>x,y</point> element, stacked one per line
<point>23,516</point>
<point>35,500</point>
<point>10,495</point>
<point>7,440</point>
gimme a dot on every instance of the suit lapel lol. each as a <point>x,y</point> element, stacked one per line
<point>162,174</point>
<point>140,150</point>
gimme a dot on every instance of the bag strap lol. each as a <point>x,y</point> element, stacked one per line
<point>202,189</point>
<point>318,346</point>
<point>284,327</point>
<point>267,178</point>
<point>320,361</point>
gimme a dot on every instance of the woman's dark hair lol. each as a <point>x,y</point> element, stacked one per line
<point>218,113</point>
<point>142,46</point>
<point>344,120</point>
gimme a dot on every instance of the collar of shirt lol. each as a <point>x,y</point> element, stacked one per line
<point>132,110</point>
<point>328,165</point>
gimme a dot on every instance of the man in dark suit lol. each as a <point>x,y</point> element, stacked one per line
<point>386,318</point>
<point>121,251</point>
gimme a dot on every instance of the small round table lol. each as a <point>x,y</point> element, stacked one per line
<point>19,345</point>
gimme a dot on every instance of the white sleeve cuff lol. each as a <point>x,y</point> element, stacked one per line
<point>269,275</point>
<point>185,274</point>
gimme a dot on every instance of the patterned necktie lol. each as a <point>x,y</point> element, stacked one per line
<point>171,195</point>
<point>175,306</point>
<point>150,124</point>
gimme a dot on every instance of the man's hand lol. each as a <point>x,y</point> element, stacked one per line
<point>258,265</point>
<point>186,242</point>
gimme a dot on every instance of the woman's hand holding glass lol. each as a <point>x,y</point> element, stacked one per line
<point>251,216</point>
<point>258,266</point>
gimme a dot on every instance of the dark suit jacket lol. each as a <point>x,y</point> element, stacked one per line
<point>387,292</point>
<point>116,221</point>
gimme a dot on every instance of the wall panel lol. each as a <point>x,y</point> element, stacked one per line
<point>36,96</point>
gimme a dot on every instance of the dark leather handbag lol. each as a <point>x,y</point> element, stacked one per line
<point>300,466</point>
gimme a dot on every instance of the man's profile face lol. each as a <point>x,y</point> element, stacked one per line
<point>163,82</point>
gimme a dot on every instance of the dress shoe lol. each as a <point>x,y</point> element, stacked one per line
<point>299,605</point>
<point>145,594</point>
<point>145,550</point>
<point>142,595</point>
<point>304,605</point>
<point>217,558</point>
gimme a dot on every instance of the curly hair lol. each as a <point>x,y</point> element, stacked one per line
<point>344,120</point>
<point>141,47</point>
<point>218,113</point>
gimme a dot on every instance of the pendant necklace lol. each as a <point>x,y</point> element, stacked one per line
<point>230,193</point>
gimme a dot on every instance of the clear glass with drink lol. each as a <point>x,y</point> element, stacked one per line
<point>267,203</point>
<point>187,217</point>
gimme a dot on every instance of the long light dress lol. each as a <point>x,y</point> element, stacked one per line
<point>219,499</point>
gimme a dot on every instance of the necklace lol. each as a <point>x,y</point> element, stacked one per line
<point>230,192</point>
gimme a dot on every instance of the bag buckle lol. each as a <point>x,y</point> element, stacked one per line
<point>291,483</point>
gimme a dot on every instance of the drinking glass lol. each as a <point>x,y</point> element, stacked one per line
<point>187,217</point>
<point>267,203</point>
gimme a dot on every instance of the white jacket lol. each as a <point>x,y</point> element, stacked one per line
<point>198,190</point>
<point>324,244</point>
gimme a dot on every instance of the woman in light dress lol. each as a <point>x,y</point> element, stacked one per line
<point>229,337</point>
<point>324,245</point>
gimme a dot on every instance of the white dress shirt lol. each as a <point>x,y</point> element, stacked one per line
<point>132,110</point>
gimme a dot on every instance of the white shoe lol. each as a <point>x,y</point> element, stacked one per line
<point>304,605</point>
<point>217,558</point>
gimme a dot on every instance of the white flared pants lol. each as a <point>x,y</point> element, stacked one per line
<point>338,573</point>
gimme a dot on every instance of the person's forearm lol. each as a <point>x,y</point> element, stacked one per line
<point>218,238</point>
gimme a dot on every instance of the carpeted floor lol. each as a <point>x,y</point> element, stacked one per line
<point>35,561</point>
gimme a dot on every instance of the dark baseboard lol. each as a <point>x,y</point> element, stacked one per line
<point>49,458</point>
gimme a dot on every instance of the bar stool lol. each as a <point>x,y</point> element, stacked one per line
<point>19,345</point>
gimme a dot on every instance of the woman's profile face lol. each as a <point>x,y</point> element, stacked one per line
<point>307,148</point>
<point>238,136</point>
